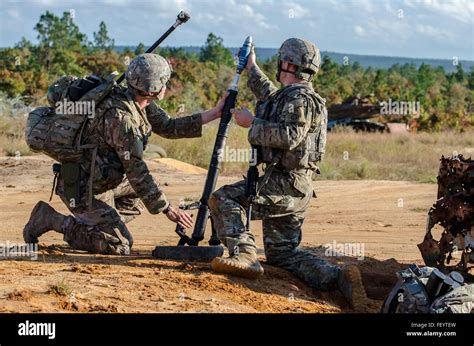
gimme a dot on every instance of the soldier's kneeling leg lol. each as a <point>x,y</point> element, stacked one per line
<point>98,228</point>
<point>228,213</point>
<point>103,239</point>
<point>281,237</point>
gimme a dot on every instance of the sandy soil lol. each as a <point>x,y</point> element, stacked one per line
<point>387,218</point>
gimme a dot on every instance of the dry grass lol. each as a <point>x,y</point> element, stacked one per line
<point>197,151</point>
<point>13,113</point>
<point>13,146</point>
<point>350,155</point>
<point>413,157</point>
<point>61,288</point>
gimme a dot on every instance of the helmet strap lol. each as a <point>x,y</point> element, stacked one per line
<point>138,92</point>
<point>281,69</point>
<point>287,71</point>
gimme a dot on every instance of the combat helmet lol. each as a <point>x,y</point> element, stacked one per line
<point>301,53</point>
<point>148,73</point>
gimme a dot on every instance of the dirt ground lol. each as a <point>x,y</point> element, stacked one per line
<point>387,218</point>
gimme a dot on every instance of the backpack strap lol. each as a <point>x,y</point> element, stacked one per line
<point>91,177</point>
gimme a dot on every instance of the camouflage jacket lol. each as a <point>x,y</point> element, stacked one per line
<point>291,121</point>
<point>121,130</point>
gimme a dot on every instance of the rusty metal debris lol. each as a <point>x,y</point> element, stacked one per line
<point>454,211</point>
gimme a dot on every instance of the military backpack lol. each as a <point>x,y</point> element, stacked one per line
<point>57,130</point>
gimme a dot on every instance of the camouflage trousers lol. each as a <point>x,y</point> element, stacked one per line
<point>101,228</point>
<point>281,205</point>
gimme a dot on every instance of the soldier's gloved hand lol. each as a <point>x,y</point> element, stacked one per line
<point>243,117</point>
<point>179,216</point>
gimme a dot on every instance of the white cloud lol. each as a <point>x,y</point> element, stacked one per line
<point>364,6</point>
<point>13,13</point>
<point>428,28</point>
<point>461,10</point>
<point>120,3</point>
<point>433,32</point>
<point>293,10</point>
<point>359,30</point>
<point>44,2</point>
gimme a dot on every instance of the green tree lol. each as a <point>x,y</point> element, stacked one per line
<point>60,41</point>
<point>470,79</point>
<point>327,80</point>
<point>215,51</point>
<point>459,75</point>
<point>102,41</point>
<point>24,44</point>
<point>177,53</point>
<point>269,66</point>
<point>140,49</point>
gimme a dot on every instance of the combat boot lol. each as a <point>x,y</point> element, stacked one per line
<point>243,264</point>
<point>43,218</point>
<point>351,286</point>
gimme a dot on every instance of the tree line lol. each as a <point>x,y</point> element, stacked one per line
<point>199,79</point>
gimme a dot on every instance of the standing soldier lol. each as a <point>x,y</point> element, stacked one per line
<point>289,130</point>
<point>121,183</point>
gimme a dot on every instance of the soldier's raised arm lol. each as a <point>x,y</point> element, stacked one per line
<point>258,82</point>
<point>181,127</point>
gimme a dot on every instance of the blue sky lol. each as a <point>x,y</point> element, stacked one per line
<point>424,28</point>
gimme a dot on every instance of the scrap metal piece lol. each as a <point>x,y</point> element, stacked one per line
<point>430,251</point>
<point>454,211</point>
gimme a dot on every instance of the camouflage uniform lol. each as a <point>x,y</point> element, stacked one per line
<point>290,121</point>
<point>122,185</point>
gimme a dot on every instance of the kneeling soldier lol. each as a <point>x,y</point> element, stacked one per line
<point>121,183</point>
<point>289,130</point>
